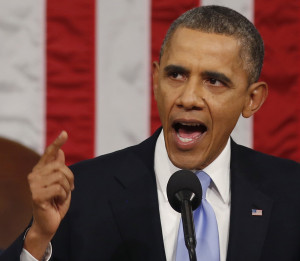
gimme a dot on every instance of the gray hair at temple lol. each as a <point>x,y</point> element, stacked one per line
<point>225,21</point>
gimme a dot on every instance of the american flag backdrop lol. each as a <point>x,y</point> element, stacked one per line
<point>85,66</point>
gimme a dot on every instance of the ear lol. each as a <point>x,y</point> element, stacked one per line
<point>257,94</point>
<point>155,75</point>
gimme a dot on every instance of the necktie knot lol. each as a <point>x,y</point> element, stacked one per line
<point>204,180</point>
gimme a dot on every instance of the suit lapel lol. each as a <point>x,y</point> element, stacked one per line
<point>135,206</point>
<point>136,210</point>
<point>247,231</point>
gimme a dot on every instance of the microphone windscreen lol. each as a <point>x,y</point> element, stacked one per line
<point>185,181</point>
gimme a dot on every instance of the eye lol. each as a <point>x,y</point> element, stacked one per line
<point>214,82</point>
<point>177,76</point>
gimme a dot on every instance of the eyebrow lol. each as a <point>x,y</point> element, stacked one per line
<point>216,75</point>
<point>176,68</point>
<point>206,74</point>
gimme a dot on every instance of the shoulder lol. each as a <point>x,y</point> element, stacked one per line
<point>260,160</point>
<point>99,179</point>
<point>103,166</point>
<point>271,174</point>
<point>277,178</point>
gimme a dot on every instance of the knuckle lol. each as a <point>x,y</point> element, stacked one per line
<point>48,150</point>
<point>59,190</point>
<point>72,177</point>
<point>60,177</point>
<point>57,165</point>
<point>31,177</point>
<point>36,198</point>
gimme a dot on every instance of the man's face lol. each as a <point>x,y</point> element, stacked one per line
<point>201,88</point>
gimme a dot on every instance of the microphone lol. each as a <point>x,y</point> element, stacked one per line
<point>184,193</point>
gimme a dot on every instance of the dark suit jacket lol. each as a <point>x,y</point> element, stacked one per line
<point>114,212</point>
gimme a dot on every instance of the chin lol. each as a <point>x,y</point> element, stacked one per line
<point>185,162</point>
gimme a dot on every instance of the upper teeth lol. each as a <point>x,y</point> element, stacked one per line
<point>190,124</point>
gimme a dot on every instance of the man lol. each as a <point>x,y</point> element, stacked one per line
<point>207,77</point>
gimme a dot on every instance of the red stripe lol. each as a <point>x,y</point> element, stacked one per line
<point>164,12</point>
<point>277,125</point>
<point>70,75</point>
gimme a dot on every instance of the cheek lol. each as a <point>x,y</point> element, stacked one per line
<point>225,114</point>
<point>164,101</point>
<point>162,106</point>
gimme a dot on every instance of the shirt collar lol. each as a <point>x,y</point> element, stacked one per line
<point>218,170</point>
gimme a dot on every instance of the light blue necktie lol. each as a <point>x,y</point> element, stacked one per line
<point>206,229</point>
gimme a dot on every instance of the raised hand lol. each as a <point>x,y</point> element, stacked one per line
<point>51,183</point>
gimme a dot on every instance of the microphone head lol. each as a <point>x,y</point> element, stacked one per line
<point>184,182</point>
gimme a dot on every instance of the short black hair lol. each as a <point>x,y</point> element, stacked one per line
<point>225,21</point>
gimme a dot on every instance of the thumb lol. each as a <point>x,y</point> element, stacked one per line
<point>61,156</point>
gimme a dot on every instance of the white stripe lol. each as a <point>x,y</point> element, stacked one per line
<point>123,58</point>
<point>243,132</point>
<point>22,72</point>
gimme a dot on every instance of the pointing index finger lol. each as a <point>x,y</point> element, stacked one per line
<point>51,151</point>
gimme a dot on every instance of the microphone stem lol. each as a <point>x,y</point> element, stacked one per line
<point>192,254</point>
<point>188,228</point>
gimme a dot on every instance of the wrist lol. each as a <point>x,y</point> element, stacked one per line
<point>36,243</point>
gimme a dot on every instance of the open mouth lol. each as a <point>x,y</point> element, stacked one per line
<point>189,132</point>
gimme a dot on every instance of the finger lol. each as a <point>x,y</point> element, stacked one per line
<point>54,171</point>
<point>43,197</point>
<point>42,182</point>
<point>45,189</point>
<point>69,175</point>
<point>51,151</point>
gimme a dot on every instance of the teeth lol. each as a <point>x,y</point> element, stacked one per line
<point>190,124</point>
<point>184,139</point>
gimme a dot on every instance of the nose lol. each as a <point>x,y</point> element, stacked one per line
<point>191,96</point>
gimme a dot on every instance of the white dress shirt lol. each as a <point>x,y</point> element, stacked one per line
<point>218,195</point>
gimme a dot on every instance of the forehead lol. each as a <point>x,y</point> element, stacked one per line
<point>188,46</point>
